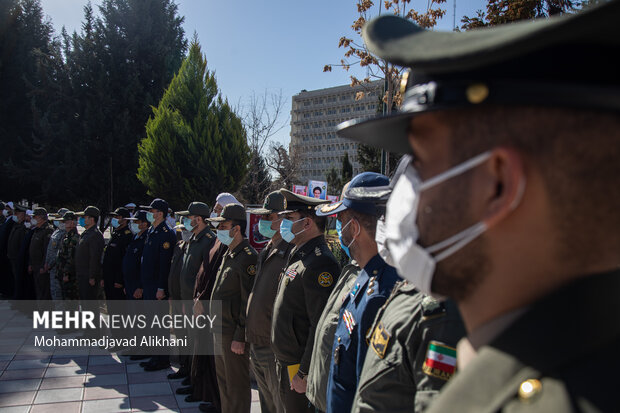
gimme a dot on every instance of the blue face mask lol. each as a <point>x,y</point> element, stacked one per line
<point>114,222</point>
<point>187,223</point>
<point>224,236</point>
<point>133,227</point>
<point>339,229</point>
<point>82,222</point>
<point>286,229</point>
<point>264,227</point>
<point>149,217</point>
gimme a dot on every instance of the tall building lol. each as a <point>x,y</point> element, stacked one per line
<point>314,116</point>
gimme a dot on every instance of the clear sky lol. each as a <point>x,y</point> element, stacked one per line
<point>258,45</point>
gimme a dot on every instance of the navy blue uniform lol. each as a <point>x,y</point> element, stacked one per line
<point>156,258</point>
<point>132,261</point>
<point>370,291</point>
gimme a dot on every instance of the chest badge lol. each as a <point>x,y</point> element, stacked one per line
<point>166,245</point>
<point>355,290</point>
<point>440,361</point>
<point>349,321</point>
<point>325,279</point>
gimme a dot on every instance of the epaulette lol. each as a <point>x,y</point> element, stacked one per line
<point>432,308</point>
<point>247,250</point>
<point>127,232</point>
<point>317,251</point>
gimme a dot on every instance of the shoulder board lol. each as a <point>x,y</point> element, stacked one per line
<point>165,229</point>
<point>317,251</point>
<point>432,308</point>
<point>247,250</point>
<point>127,232</point>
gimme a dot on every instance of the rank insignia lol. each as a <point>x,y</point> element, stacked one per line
<point>380,340</point>
<point>325,279</point>
<point>251,270</point>
<point>349,321</point>
<point>440,361</point>
<point>166,245</point>
<point>317,251</point>
<point>354,290</point>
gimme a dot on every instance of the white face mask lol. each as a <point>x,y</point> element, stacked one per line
<point>27,224</point>
<point>34,222</point>
<point>170,221</point>
<point>186,235</point>
<point>412,261</point>
<point>5,212</point>
<point>60,225</point>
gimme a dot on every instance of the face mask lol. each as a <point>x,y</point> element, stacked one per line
<point>27,224</point>
<point>339,230</point>
<point>34,222</point>
<point>60,225</point>
<point>264,227</point>
<point>186,235</point>
<point>114,222</point>
<point>149,217</point>
<point>14,218</point>
<point>5,212</point>
<point>171,222</point>
<point>134,228</point>
<point>412,261</point>
<point>187,223</point>
<point>380,236</point>
<point>286,229</point>
<point>224,236</point>
<point>214,215</point>
<point>82,222</point>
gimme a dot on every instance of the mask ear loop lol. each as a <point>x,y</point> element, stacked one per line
<point>359,230</point>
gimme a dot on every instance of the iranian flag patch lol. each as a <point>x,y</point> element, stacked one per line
<point>440,360</point>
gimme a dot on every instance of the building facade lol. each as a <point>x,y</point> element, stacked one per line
<point>314,116</point>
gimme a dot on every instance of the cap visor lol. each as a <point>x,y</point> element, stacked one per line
<point>182,213</point>
<point>331,209</point>
<point>217,219</point>
<point>261,211</point>
<point>386,132</point>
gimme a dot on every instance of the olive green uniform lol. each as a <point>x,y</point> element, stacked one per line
<point>324,338</point>
<point>65,266</point>
<point>232,287</point>
<point>36,260</point>
<point>88,262</point>
<point>556,357</point>
<point>304,289</point>
<point>395,376</point>
<point>271,262</point>
<point>197,250</point>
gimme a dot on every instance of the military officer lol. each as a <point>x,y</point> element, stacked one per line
<point>358,214</point>
<point>113,253</point>
<point>4,214</point>
<point>308,279</point>
<point>6,278</point>
<point>88,253</point>
<point>510,204</point>
<point>65,262</point>
<point>42,232</point>
<point>271,262</point>
<point>53,247</point>
<point>16,238</point>
<point>138,225</point>
<point>233,284</point>
<point>155,268</point>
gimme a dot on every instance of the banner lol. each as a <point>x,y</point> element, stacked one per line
<point>332,198</point>
<point>257,240</point>
<point>317,189</point>
<point>300,190</point>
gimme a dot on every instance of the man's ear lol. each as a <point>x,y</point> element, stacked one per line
<point>503,183</point>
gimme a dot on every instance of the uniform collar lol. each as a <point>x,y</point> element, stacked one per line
<point>205,232</point>
<point>243,244</point>
<point>306,248</point>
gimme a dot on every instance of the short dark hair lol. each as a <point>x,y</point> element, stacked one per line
<point>316,187</point>
<point>368,222</point>
<point>242,225</point>
<point>318,221</point>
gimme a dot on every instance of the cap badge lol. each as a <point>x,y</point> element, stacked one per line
<point>477,93</point>
<point>403,82</point>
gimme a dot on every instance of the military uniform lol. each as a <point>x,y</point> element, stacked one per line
<point>53,247</point>
<point>398,373</point>
<point>113,254</point>
<point>370,291</point>
<point>232,287</point>
<point>156,259</point>
<point>6,278</point>
<point>198,248</point>
<point>65,266</point>
<point>36,256</point>
<point>88,262</point>
<point>131,265</point>
<point>14,244</point>
<point>324,338</point>
<point>304,287</point>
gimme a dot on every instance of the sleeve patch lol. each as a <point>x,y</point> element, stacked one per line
<point>326,279</point>
<point>440,361</point>
<point>251,270</point>
<point>380,340</point>
<point>166,245</point>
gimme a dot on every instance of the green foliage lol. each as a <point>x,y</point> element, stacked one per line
<point>334,181</point>
<point>347,169</point>
<point>506,11</point>
<point>257,182</point>
<point>195,145</point>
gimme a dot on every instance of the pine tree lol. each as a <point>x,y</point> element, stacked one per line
<point>195,146</point>
<point>347,169</point>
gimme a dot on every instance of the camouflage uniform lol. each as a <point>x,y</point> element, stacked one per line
<point>65,265</point>
<point>51,258</point>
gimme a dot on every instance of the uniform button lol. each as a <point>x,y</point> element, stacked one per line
<point>339,339</point>
<point>375,271</point>
<point>529,389</point>
<point>370,291</point>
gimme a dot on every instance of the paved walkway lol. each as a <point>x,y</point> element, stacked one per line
<point>63,381</point>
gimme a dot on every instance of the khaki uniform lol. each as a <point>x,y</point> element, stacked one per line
<point>36,260</point>
<point>304,289</point>
<point>197,249</point>
<point>396,376</point>
<point>88,262</point>
<point>324,338</point>
<point>271,262</point>
<point>554,358</point>
<point>232,287</point>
